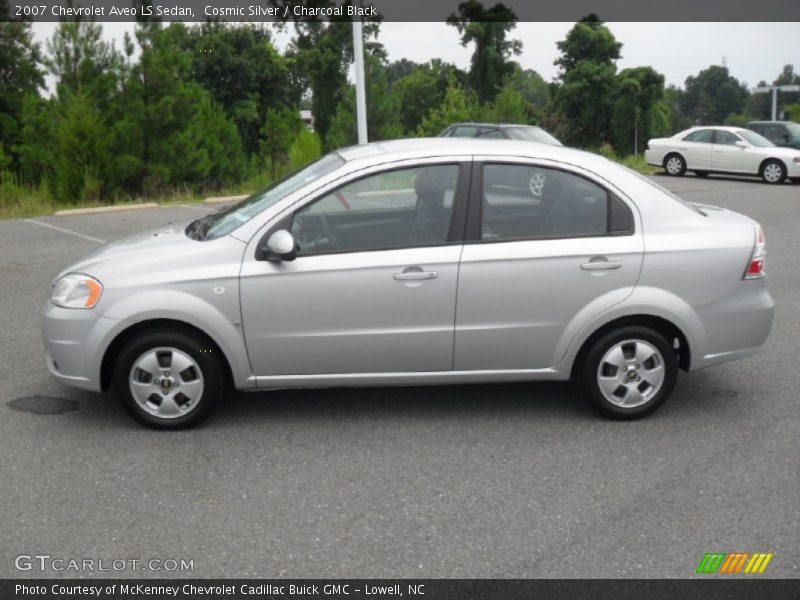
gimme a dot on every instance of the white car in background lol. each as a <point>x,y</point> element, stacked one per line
<point>705,150</point>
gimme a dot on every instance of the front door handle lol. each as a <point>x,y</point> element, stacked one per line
<point>416,275</point>
<point>601,265</point>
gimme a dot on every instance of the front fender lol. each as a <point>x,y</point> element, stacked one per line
<point>221,321</point>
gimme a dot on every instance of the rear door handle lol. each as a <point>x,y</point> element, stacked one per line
<point>416,275</point>
<point>601,265</point>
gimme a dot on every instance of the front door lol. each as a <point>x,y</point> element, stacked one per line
<point>373,287</point>
<point>728,156</point>
<point>549,249</point>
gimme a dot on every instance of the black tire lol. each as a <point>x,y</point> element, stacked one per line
<point>679,168</point>
<point>767,169</point>
<point>588,372</point>
<point>701,173</point>
<point>196,347</point>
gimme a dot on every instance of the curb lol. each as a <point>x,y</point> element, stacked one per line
<point>223,199</point>
<point>103,209</point>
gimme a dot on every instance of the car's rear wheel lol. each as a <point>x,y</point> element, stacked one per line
<point>674,165</point>
<point>701,173</point>
<point>773,171</point>
<point>628,372</point>
<point>168,379</point>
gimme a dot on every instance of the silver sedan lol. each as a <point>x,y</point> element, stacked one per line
<point>416,262</point>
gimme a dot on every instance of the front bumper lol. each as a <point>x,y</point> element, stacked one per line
<point>75,341</point>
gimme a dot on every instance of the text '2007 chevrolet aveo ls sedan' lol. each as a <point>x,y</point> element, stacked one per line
<point>414,262</point>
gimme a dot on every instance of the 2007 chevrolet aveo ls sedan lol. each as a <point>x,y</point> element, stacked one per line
<point>427,261</point>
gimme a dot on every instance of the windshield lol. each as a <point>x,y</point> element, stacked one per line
<point>794,129</point>
<point>754,139</point>
<point>532,134</point>
<point>226,220</point>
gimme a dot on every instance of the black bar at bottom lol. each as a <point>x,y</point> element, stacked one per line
<point>412,589</point>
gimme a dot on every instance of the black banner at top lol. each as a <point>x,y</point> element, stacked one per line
<point>395,10</point>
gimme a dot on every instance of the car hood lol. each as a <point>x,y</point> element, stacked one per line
<point>778,151</point>
<point>141,249</point>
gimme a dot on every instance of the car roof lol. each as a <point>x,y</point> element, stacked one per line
<point>768,122</point>
<point>499,125</point>
<point>445,146</point>
<point>719,127</point>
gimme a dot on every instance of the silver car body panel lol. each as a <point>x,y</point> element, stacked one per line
<point>498,311</point>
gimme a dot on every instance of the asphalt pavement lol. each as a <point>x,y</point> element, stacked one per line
<point>517,480</point>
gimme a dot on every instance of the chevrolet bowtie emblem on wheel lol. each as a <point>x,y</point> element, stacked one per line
<point>732,563</point>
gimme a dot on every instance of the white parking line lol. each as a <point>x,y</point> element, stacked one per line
<point>69,231</point>
<point>203,208</point>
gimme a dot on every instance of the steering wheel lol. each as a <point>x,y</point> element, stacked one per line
<point>328,229</point>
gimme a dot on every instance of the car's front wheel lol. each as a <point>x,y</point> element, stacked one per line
<point>628,372</point>
<point>773,171</point>
<point>168,379</point>
<point>674,165</point>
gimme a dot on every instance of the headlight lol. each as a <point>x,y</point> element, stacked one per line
<point>76,291</point>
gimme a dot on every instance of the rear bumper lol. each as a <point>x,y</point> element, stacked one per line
<point>734,327</point>
<point>75,341</point>
<point>654,158</point>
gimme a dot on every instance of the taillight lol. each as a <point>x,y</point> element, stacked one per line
<point>755,268</point>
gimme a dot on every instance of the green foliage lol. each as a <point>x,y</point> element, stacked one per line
<point>737,120</point>
<point>421,91</point>
<point>20,76</point>
<point>382,110</point>
<point>531,85</point>
<point>306,148</point>
<point>455,107</point>
<point>244,73</point>
<point>589,40</point>
<point>82,143</point>
<point>793,112</point>
<point>639,111</point>
<point>508,107</point>
<point>487,29</point>
<point>278,133</point>
<point>712,95</point>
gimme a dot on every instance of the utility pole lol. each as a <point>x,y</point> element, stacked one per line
<point>361,99</point>
<point>775,89</point>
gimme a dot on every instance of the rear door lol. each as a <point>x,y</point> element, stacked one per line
<point>697,148</point>
<point>547,247</point>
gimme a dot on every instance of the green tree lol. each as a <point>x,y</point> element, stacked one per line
<point>422,90</point>
<point>508,107</point>
<point>588,40</point>
<point>640,112</point>
<point>244,73</point>
<point>456,106</point>
<point>322,52</point>
<point>488,30</point>
<point>585,99</point>
<point>20,77</point>
<point>712,95</point>
<point>82,145</point>
<point>169,132</point>
<point>83,63</point>
<point>280,129</point>
<point>382,110</point>
<point>531,85</point>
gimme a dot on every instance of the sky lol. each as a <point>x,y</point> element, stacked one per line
<point>752,51</point>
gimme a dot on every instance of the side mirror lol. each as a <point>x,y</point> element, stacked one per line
<point>740,144</point>
<point>279,247</point>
